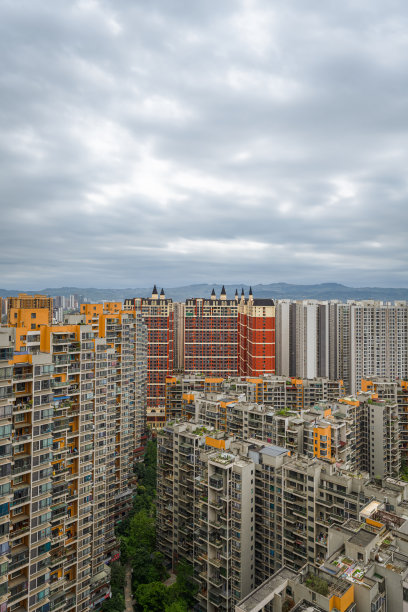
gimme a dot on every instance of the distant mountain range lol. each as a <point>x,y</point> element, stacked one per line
<point>324,291</point>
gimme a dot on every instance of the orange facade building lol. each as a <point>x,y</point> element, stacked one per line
<point>38,304</point>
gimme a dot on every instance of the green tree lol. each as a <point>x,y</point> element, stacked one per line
<point>185,587</point>
<point>141,534</point>
<point>115,604</point>
<point>176,606</point>
<point>157,570</point>
<point>152,597</point>
<point>141,561</point>
<point>118,576</point>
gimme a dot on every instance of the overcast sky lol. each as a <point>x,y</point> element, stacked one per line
<point>203,141</point>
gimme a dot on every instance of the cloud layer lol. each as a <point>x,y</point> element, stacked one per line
<point>176,142</point>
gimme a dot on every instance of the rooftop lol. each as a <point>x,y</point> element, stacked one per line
<point>306,606</point>
<point>266,590</point>
<point>362,538</point>
<point>274,451</point>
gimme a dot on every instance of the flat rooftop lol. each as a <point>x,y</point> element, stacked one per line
<point>274,451</point>
<point>362,538</point>
<point>257,598</point>
<point>306,606</point>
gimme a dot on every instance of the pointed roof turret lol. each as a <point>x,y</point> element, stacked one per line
<point>155,295</point>
<point>250,296</point>
<point>242,292</point>
<point>223,294</point>
<point>236,295</point>
<point>213,296</point>
<point>162,295</point>
<point>250,291</point>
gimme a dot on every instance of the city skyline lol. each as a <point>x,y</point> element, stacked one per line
<point>182,143</point>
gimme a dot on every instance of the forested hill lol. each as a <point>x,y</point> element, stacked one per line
<point>324,291</point>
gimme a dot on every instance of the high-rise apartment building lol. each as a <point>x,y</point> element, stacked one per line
<point>302,338</point>
<point>73,398</point>
<point>33,304</point>
<point>224,337</point>
<point>241,510</point>
<point>349,341</point>
<point>158,316</point>
<point>360,433</point>
<point>278,392</point>
<point>256,336</point>
<point>372,340</point>
<point>211,335</point>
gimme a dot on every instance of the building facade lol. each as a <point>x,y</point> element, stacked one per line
<point>241,510</point>
<point>256,336</point>
<point>73,399</point>
<point>158,316</point>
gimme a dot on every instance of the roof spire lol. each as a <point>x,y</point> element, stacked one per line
<point>213,296</point>
<point>162,296</point>
<point>155,295</point>
<point>223,295</point>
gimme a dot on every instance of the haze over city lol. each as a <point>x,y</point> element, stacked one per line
<point>176,142</point>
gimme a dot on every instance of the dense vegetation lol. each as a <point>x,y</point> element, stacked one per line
<point>137,535</point>
<point>404,471</point>
<point>317,584</point>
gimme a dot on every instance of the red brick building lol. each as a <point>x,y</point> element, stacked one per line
<point>256,336</point>
<point>228,337</point>
<point>210,335</point>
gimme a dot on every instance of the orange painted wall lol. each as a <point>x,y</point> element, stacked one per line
<point>29,317</point>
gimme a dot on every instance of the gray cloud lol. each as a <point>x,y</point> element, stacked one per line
<point>178,142</point>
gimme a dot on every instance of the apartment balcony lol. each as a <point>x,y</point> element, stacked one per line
<point>22,407</point>
<point>215,598</point>
<point>20,466</point>
<point>56,561</point>
<point>216,580</point>
<point>57,602</point>
<point>20,556</point>
<point>186,449</point>
<point>23,437</point>
<point>323,521</point>
<point>17,589</point>
<point>21,495</point>
<point>296,492</point>
<point>21,527</point>
<point>216,483</point>
<point>215,541</point>
<point>217,503</point>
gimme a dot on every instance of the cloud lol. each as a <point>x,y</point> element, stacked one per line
<point>178,142</point>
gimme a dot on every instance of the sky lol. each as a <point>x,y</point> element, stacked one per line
<point>194,141</point>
